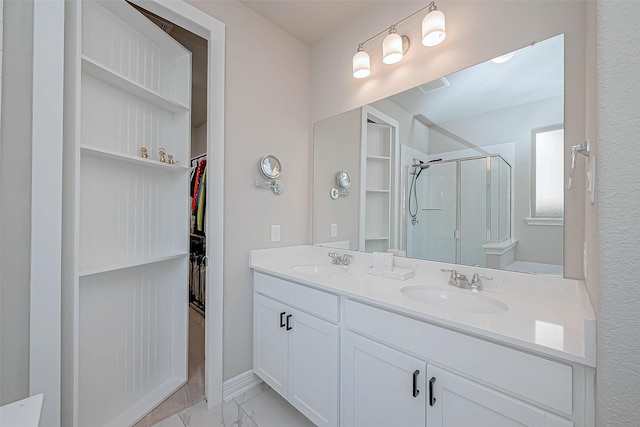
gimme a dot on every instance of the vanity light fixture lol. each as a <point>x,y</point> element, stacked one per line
<point>361,63</point>
<point>433,28</point>
<point>394,45</point>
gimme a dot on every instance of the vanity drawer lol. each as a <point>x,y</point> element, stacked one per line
<point>537,379</point>
<point>312,301</point>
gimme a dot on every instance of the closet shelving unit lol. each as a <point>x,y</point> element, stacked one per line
<point>127,239</point>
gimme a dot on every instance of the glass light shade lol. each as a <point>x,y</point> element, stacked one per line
<point>392,49</point>
<point>433,31</point>
<point>361,65</point>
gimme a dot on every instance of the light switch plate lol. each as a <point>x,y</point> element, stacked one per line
<point>275,233</point>
<point>334,230</point>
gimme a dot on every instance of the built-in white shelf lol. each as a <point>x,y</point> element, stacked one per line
<point>129,264</point>
<point>377,190</point>
<point>378,157</point>
<point>166,388</point>
<point>377,238</point>
<point>121,81</point>
<point>114,155</point>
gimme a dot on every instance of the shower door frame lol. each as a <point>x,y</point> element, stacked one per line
<point>457,231</point>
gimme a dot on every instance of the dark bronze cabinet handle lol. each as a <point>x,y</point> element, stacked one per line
<point>432,398</point>
<point>288,326</point>
<point>416,392</point>
<point>282,319</point>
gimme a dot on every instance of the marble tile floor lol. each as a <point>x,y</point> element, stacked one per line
<point>258,407</point>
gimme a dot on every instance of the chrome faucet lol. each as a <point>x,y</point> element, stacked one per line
<point>457,279</point>
<point>475,281</point>
<point>339,259</point>
<point>460,280</point>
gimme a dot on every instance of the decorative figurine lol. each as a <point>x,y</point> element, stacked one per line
<point>162,153</point>
<point>143,153</point>
<point>170,159</point>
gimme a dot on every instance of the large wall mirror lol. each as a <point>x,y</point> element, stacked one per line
<point>464,169</point>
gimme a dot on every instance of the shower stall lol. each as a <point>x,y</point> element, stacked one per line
<point>456,209</point>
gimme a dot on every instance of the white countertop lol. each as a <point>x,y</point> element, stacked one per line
<point>23,413</point>
<point>547,315</point>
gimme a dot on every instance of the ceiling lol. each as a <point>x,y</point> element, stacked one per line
<point>533,74</point>
<point>308,20</point>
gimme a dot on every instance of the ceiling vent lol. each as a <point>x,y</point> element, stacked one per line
<point>434,85</point>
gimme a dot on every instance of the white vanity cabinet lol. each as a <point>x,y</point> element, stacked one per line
<point>356,361</point>
<point>381,386</point>
<point>455,401</point>
<point>295,345</point>
<point>492,386</point>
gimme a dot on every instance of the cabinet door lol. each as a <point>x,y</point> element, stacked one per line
<point>381,386</point>
<point>458,402</point>
<point>270,342</point>
<point>313,368</point>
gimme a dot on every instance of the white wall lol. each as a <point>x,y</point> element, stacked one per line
<point>411,132</point>
<point>199,140</point>
<point>617,205</point>
<point>266,112</point>
<point>15,210</point>
<point>476,32</point>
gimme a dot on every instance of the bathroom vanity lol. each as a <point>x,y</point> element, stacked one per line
<point>351,349</point>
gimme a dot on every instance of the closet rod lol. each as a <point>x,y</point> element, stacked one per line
<point>199,157</point>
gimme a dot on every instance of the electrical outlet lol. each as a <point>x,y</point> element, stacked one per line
<point>334,230</point>
<point>275,233</point>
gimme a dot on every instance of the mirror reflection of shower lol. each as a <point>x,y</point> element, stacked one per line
<point>459,210</point>
<point>418,166</point>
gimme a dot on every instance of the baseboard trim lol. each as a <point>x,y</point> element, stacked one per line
<point>239,384</point>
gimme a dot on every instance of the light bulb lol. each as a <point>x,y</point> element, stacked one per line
<point>361,64</point>
<point>433,28</point>
<point>392,48</point>
<point>503,58</point>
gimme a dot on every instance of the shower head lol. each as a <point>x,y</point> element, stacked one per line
<point>419,167</point>
<point>422,165</point>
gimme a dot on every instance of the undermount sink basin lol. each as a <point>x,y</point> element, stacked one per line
<point>320,270</point>
<point>454,299</point>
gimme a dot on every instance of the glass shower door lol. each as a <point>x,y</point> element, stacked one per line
<point>473,210</point>
<point>432,236</point>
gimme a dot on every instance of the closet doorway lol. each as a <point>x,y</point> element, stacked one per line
<point>86,315</point>
<point>193,391</point>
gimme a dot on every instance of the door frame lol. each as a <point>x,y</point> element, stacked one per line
<point>45,306</point>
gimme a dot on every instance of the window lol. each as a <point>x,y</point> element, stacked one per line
<point>547,180</point>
